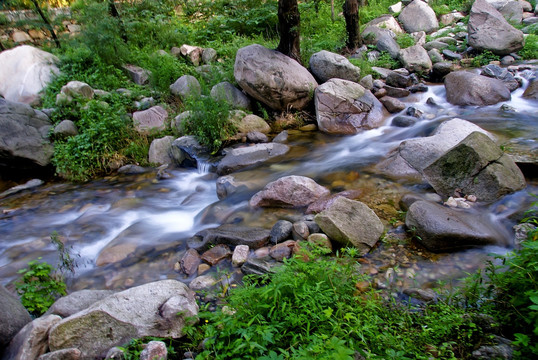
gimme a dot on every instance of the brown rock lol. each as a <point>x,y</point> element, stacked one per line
<point>216,254</point>
<point>190,261</point>
<point>289,191</point>
<point>282,250</point>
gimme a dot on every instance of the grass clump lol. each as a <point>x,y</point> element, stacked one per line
<point>530,50</point>
<point>405,40</point>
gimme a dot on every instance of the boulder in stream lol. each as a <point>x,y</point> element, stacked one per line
<point>289,191</point>
<point>242,157</point>
<point>156,309</point>
<point>13,316</point>
<point>475,166</point>
<point>32,340</point>
<point>442,229</point>
<point>229,234</point>
<point>351,222</point>
<point>466,88</point>
<point>77,301</point>
<point>273,78</point>
<point>344,107</point>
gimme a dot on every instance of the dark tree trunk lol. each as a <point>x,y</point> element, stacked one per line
<point>47,22</point>
<point>288,27</point>
<point>351,14</point>
<point>2,48</point>
<point>115,13</point>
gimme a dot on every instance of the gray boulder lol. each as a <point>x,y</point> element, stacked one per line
<point>326,65</point>
<point>30,184</point>
<point>155,309</point>
<point>24,142</point>
<point>242,157</point>
<point>415,58</point>
<point>475,166</point>
<point>289,191</point>
<point>351,222</point>
<point>497,72</point>
<point>440,229</point>
<point>209,55</point>
<point>152,119</point>
<point>466,88</point>
<point>248,123</point>
<point>345,107</point>
<point>137,74</point>
<point>13,316</point>
<point>78,88</point>
<point>371,35</point>
<point>512,12</point>
<point>418,16</point>
<point>32,340</point>
<point>186,151</point>
<point>273,78</point>
<point>159,151</point>
<point>387,43</point>
<point>386,22</point>
<point>25,71</point>
<point>186,86</point>
<point>65,129</point>
<point>488,30</point>
<point>531,92</point>
<point>229,234</point>
<point>398,80</point>
<point>225,91</point>
<point>229,184</point>
<point>411,157</point>
<point>77,301</point>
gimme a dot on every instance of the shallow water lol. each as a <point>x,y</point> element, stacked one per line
<point>128,230</point>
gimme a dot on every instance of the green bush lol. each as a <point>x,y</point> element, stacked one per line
<point>209,122</point>
<point>312,310</point>
<point>405,40</point>
<point>484,58</point>
<point>39,287</point>
<point>386,61</point>
<point>530,50</point>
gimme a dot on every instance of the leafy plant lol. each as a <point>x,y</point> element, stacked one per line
<point>530,50</point>
<point>405,40</point>
<point>39,287</point>
<point>386,61</point>
<point>484,58</point>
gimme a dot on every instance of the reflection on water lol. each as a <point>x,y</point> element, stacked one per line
<point>129,229</point>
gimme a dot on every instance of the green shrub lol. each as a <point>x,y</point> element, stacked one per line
<point>405,40</point>
<point>530,50</point>
<point>39,287</point>
<point>209,122</point>
<point>386,61</point>
<point>484,58</point>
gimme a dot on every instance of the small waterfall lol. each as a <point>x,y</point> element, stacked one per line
<point>203,166</point>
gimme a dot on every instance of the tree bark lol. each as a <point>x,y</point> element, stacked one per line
<point>288,28</point>
<point>47,22</point>
<point>332,10</point>
<point>115,13</point>
<point>351,14</point>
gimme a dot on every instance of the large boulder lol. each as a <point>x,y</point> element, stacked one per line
<point>273,78</point>
<point>418,16</point>
<point>187,86</point>
<point>12,314</point>
<point>77,301</point>
<point>415,58</point>
<point>289,191</point>
<point>386,22</point>
<point>229,234</point>
<point>466,88</point>
<point>351,222</point>
<point>488,30</point>
<point>475,166</point>
<point>159,151</point>
<point>512,12</point>
<point>186,151</point>
<point>327,65</point>
<point>158,309</point>
<point>411,157</point>
<point>441,229</point>
<point>32,340</point>
<point>531,92</point>
<point>242,157</point>
<point>345,107</point>
<point>25,71</point>
<point>150,120</point>
<point>225,91</point>
<point>24,142</point>
<point>387,43</point>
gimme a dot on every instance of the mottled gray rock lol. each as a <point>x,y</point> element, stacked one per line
<point>257,137</point>
<point>386,22</point>
<point>154,350</point>
<point>512,12</point>
<point>152,119</point>
<point>441,229</point>
<point>24,142</point>
<point>64,354</point>
<point>229,234</point>
<point>203,282</point>
<point>225,91</point>
<point>415,58</point>
<point>345,107</point>
<point>351,222</point>
<point>385,42</point>
<point>251,122</point>
<point>531,92</point>
<point>398,80</point>
<point>209,55</point>
<point>371,35</point>
<point>475,166</point>
<point>489,30</point>
<point>25,71</point>
<point>281,231</point>
<point>242,157</point>
<point>128,314</point>
<point>403,121</point>
<point>289,191</point>
<point>418,16</point>
<point>391,104</point>
<point>451,55</point>
<point>396,92</point>
<point>77,301</point>
<point>466,88</point>
<point>13,316</point>
<point>186,86</point>
<point>282,250</point>
<point>258,266</point>
<point>434,44</point>
<point>192,53</point>
<point>451,17</point>
<point>326,65</point>
<point>159,150</point>
<point>65,129</point>
<point>137,74</point>
<point>497,72</point>
<point>78,88</point>
<point>32,340</point>
<point>240,255</point>
<point>273,78</point>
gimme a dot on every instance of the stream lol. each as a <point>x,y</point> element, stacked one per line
<point>126,230</point>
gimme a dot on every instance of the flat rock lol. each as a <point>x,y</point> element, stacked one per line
<point>242,157</point>
<point>152,119</point>
<point>289,191</point>
<point>217,253</point>
<point>229,234</point>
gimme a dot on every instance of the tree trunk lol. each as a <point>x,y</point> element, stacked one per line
<point>351,14</point>
<point>47,22</point>
<point>115,13</point>
<point>332,10</point>
<point>288,28</point>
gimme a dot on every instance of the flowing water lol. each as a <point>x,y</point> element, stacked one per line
<point>129,230</point>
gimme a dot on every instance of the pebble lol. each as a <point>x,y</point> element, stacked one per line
<point>451,202</point>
